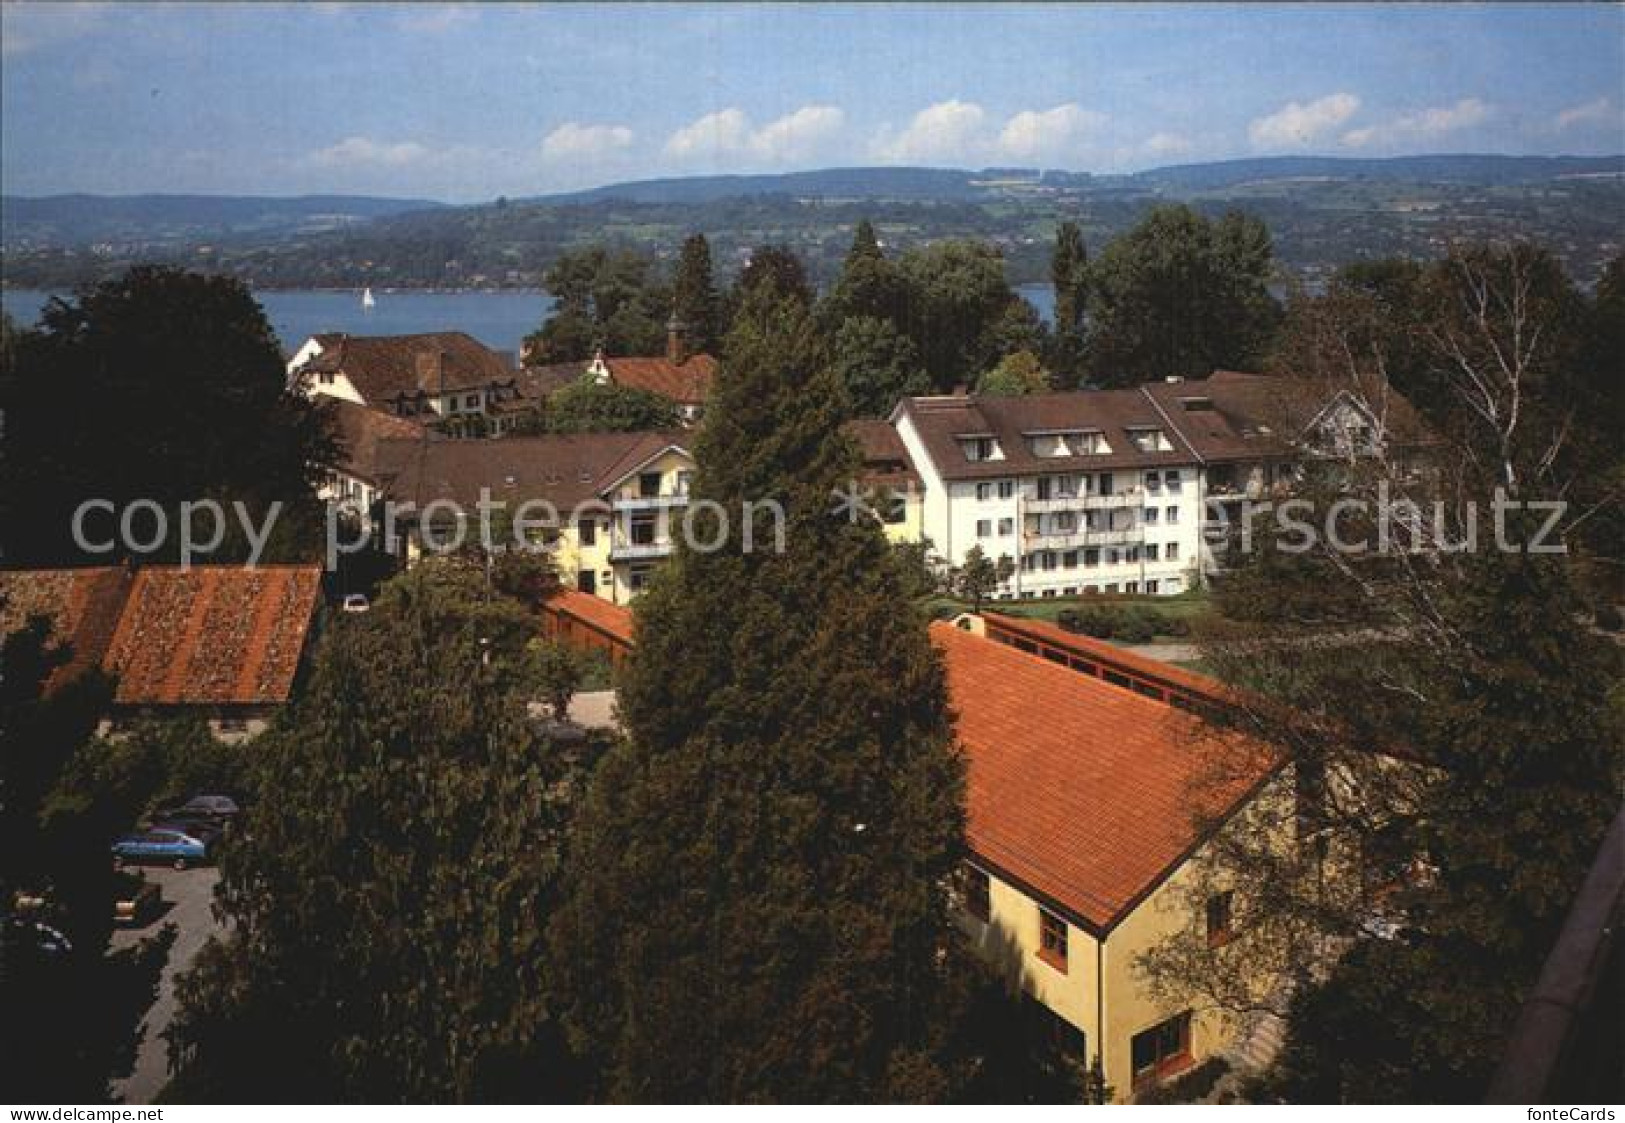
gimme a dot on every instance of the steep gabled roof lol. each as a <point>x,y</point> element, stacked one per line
<point>1087,793</point>
<point>385,367</point>
<point>82,606</point>
<point>886,461</point>
<point>686,383</point>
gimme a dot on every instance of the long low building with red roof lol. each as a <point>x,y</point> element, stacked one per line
<point>224,642</point>
<point>1093,785</point>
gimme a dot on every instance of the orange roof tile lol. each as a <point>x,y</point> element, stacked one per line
<point>1098,650</point>
<point>83,606</point>
<point>212,634</point>
<point>1086,793</point>
<point>686,383</point>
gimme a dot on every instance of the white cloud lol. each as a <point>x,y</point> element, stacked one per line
<point>798,135</point>
<point>1602,111</point>
<point>1166,144</point>
<point>363,152</point>
<point>1049,134</point>
<point>1422,125</point>
<point>728,132</point>
<point>578,142</point>
<point>1297,124</point>
<point>950,130</point>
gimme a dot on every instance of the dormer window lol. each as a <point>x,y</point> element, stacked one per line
<point>1150,440</point>
<point>1197,405</point>
<point>980,447</point>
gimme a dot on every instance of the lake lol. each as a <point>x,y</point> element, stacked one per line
<point>499,319</point>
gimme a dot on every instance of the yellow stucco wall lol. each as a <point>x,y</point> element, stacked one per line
<point>912,528</point>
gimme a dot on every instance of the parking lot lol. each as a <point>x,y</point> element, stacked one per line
<point>188,895</point>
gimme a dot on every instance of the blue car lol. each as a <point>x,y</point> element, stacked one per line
<point>162,845</point>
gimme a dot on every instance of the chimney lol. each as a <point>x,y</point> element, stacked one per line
<point>676,340</point>
<point>431,374</point>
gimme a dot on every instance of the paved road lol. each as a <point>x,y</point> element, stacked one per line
<point>190,892</point>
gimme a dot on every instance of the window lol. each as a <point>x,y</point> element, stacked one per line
<point>1150,551</point>
<point>1044,486</point>
<point>1170,515</point>
<point>1151,586</point>
<point>1132,587</point>
<point>977,890</point>
<point>1007,527</point>
<point>1051,939</point>
<point>472,401</point>
<point>684,480</point>
<point>1161,1050</point>
<point>1091,557</point>
<point>1105,483</point>
<point>1070,560</point>
<point>1064,522</point>
<point>643,531</point>
<point>648,485</point>
<point>1172,585</point>
<point>588,530</point>
<point>1007,489</point>
<point>1152,481</point>
<point>980,448</point>
<point>1149,515</point>
<point>1149,440</point>
<point>1171,480</point>
<point>1049,559</point>
<point>1170,552</point>
<point>638,578</point>
<point>984,528</point>
<point>1218,919</point>
<point>984,492</point>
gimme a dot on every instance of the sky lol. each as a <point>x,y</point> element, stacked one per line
<point>467,102</point>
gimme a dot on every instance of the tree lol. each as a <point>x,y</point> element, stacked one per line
<point>409,806</point>
<point>979,577</point>
<point>1180,294</point>
<point>869,286</point>
<point>592,407</point>
<point>559,673</point>
<point>55,824</point>
<point>695,300</point>
<point>602,300</point>
<point>1069,277</point>
<point>757,904</point>
<point>876,365</point>
<point>1017,374</point>
<point>959,309</point>
<point>776,268</point>
<point>1451,721</point>
<point>161,385</point>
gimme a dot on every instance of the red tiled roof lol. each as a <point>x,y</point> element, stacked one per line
<point>613,620</point>
<point>1084,792</point>
<point>82,606</point>
<point>384,367</point>
<point>212,634</point>
<point>686,383</point>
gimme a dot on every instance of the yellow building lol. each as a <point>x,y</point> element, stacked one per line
<point>1086,784</point>
<point>890,479</point>
<point>607,506</point>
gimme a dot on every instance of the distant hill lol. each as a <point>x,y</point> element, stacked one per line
<point>840,183</point>
<point>961,185</point>
<point>1487,171</point>
<point>165,219</point>
<point>1322,212</point>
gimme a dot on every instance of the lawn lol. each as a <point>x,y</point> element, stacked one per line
<point>1184,607</point>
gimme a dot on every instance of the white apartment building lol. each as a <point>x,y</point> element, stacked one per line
<point>1085,492</point>
<point>1109,491</point>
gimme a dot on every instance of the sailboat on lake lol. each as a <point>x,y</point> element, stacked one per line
<point>367,302</point>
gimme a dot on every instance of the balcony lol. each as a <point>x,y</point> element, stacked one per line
<point>630,501</point>
<point>1078,539</point>
<point>1134,497</point>
<point>624,549</point>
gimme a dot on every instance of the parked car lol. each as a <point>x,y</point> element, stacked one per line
<point>218,806</point>
<point>40,939</point>
<point>202,828</point>
<point>136,900</point>
<point>161,845</point>
<point>356,602</point>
